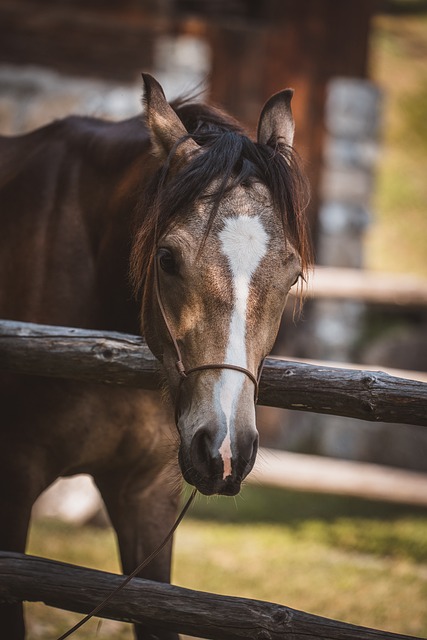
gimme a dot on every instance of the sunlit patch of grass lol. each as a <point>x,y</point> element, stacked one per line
<point>356,560</point>
<point>340,522</point>
<point>46,623</point>
<point>93,547</point>
<point>87,546</point>
<point>274,563</point>
<point>339,557</point>
<point>406,539</point>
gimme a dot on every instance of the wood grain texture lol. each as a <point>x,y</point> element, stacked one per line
<point>168,607</point>
<point>338,283</point>
<point>114,358</point>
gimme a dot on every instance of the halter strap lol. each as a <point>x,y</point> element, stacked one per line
<point>233,367</point>
<point>178,364</point>
<point>183,372</point>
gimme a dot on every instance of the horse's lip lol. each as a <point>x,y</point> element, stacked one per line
<point>227,487</point>
<point>231,489</point>
<point>210,485</point>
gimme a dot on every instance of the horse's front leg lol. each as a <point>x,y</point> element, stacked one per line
<point>20,484</point>
<point>142,512</point>
<point>15,516</point>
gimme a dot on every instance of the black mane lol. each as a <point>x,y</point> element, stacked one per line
<point>230,158</point>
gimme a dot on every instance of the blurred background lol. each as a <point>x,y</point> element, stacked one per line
<point>359,70</point>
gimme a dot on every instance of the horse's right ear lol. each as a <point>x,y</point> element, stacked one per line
<point>166,129</point>
<point>276,124</point>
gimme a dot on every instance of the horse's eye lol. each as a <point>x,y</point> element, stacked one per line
<point>167,261</point>
<point>296,279</point>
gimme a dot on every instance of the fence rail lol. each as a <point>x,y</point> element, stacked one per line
<point>341,283</point>
<point>114,358</point>
<point>121,359</point>
<point>168,607</point>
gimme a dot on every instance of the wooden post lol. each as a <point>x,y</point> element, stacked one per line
<point>290,43</point>
<point>353,116</point>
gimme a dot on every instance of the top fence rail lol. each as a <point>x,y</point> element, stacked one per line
<point>114,358</point>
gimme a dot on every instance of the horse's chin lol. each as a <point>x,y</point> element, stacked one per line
<point>225,488</point>
<point>210,486</point>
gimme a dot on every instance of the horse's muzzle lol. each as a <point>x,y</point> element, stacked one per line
<point>204,467</point>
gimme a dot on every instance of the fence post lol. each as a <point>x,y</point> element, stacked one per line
<point>353,109</point>
<point>352,128</point>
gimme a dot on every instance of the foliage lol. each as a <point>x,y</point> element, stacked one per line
<point>397,241</point>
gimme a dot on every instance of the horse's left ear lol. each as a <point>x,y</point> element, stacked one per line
<point>276,124</point>
<point>166,128</point>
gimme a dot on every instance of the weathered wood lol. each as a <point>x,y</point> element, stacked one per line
<point>367,395</point>
<point>66,352</point>
<point>319,474</point>
<point>115,358</point>
<point>197,613</point>
<point>366,286</point>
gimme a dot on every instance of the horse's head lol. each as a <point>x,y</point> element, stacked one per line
<point>223,215</point>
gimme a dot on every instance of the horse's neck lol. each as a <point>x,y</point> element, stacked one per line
<point>115,306</point>
<point>65,238</point>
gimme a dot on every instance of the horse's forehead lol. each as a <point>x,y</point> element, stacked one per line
<point>245,201</point>
<point>244,214</point>
<point>248,199</point>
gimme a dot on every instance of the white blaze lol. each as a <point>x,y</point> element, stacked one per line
<point>244,242</point>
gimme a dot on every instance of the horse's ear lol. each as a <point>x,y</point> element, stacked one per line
<point>276,124</point>
<point>166,128</point>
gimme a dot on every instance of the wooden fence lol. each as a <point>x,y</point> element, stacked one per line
<point>113,358</point>
<point>195,613</point>
<point>338,283</point>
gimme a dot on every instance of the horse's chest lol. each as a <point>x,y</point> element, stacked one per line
<point>83,427</point>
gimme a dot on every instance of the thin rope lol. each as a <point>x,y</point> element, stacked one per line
<point>179,364</point>
<point>139,568</point>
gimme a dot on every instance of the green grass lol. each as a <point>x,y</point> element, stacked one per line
<point>350,524</point>
<point>356,560</point>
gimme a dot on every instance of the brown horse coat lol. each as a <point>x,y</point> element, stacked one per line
<point>66,202</point>
<point>68,196</point>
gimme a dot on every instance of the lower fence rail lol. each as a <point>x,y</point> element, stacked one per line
<point>195,613</point>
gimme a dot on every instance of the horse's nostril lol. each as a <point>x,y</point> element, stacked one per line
<point>208,460</point>
<point>251,458</point>
<point>255,446</point>
<point>201,450</point>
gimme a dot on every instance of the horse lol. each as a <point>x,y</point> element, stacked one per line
<point>174,224</point>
